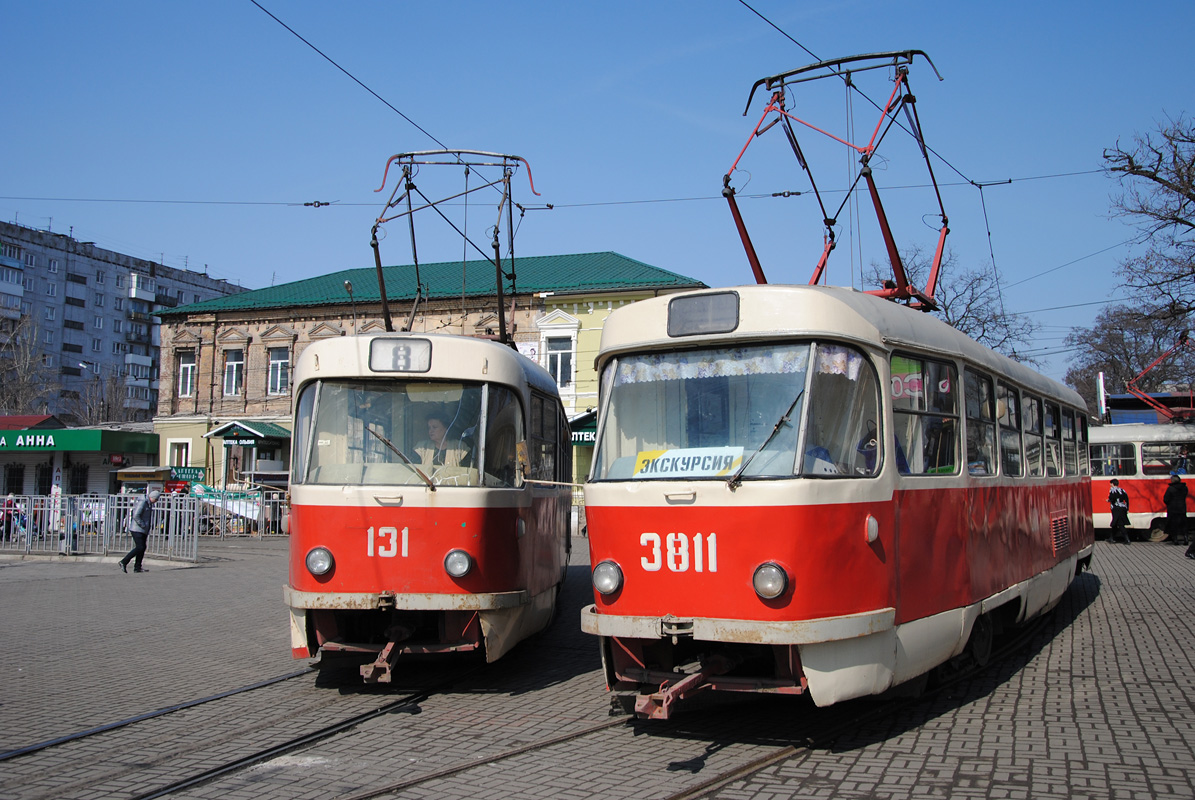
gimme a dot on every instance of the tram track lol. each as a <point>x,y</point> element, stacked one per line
<point>111,726</point>
<point>877,710</point>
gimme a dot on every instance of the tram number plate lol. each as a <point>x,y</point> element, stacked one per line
<point>387,542</point>
<point>680,552</point>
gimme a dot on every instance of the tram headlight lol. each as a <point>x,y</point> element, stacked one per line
<point>607,577</point>
<point>319,561</point>
<point>770,581</point>
<point>457,563</point>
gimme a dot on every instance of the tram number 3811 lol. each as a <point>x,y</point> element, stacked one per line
<point>674,550</point>
<point>386,542</point>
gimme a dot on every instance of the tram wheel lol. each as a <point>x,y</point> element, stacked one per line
<point>980,643</point>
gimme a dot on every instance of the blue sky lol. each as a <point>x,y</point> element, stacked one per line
<point>229,123</point>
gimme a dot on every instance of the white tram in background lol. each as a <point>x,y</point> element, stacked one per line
<point>1141,457</point>
<point>805,489</point>
<point>418,524</point>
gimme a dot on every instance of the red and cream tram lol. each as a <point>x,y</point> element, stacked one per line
<point>424,517</point>
<point>806,489</point>
<point>1141,457</point>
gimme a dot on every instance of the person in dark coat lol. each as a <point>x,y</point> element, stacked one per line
<point>1118,500</point>
<point>140,522</point>
<point>1176,511</point>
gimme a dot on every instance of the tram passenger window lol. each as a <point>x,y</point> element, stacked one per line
<point>1008,416</point>
<point>1032,425</point>
<point>1166,457</point>
<point>1112,460</point>
<point>1070,452</point>
<point>542,444</point>
<point>924,399</point>
<point>843,435</point>
<point>1081,438</point>
<point>301,438</point>
<point>504,430</point>
<point>1053,432</point>
<point>981,428</point>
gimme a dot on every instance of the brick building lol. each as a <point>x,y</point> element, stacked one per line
<point>225,395</point>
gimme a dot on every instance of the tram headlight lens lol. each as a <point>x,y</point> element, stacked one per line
<point>770,581</point>
<point>607,577</point>
<point>319,561</point>
<point>457,563</point>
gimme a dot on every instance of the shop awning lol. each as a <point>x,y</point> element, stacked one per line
<point>249,433</point>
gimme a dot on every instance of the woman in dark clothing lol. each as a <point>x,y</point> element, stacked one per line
<point>1176,512</point>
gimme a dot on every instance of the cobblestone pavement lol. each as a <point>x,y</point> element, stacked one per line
<point>1098,705</point>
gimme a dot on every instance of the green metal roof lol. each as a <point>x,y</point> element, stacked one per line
<point>248,429</point>
<point>572,274</point>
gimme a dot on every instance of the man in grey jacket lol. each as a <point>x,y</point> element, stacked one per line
<point>140,522</point>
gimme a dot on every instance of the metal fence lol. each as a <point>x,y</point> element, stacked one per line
<point>97,524</point>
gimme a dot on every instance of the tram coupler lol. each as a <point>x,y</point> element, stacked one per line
<point>382,669</point>
<point>658,705</point>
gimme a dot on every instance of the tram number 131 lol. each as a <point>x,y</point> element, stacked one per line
<point>676,551</point>
<point>386,542</point>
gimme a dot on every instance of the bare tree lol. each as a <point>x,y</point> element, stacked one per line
<point>969,300</point>
<point>101,398</point>
<point>26,384</point>
<point>1123,342</point>
<point>1157,182</point>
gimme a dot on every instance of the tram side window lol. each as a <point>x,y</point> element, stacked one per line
<point>1031,420</point>
<point>843,428</point>
<point>1070,453</point>
<point>543,439</point>
<point>1081,435</point>
<point>1111,460</point>
<point>1008,416</point>
<point>1053,431</point>
<point>926,416</point>
<point>503,431</point>
<point>1164,458</point>
<point>981,423</point>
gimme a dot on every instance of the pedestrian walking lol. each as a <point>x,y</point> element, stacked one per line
<point>139,525</point>
<point>1118,500</point>
<point>1175,499</point>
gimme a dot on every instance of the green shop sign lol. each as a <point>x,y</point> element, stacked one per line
<point>71,440</point>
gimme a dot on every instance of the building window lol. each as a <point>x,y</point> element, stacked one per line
<point>119,347</point>
<point>99,300</point>
<point>116,326</point>
<point>560,359</point>
<point>14,474</point>
<point>234,372</point>
<point>29,284</point>
<point>30,260</point>
<point>179,454</point>
<point>11,251</point>
<point>53,265</point>
<point>51,290</point>
<point>47,337</point>
<point>186,373</point>
<point>279,371</point>
<point>77,478</point>
<point>50,313</point>
<point>99,323</point>
<point>118,304</point>
<point>120,281</point>
<point>99,277</point>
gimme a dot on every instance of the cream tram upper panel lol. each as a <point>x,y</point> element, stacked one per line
<point>772,311</point>
<point>452,358</point>
<point>1142,432</point>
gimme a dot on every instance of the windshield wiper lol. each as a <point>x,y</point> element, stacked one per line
<point>737,477</point>
<point>403,456</point>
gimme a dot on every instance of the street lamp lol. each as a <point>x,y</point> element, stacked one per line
<point>103,390</point>
<point>348,287</point>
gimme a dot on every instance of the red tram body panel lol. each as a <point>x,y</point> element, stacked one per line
<point>762,517</point>
<point>424,517</point>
